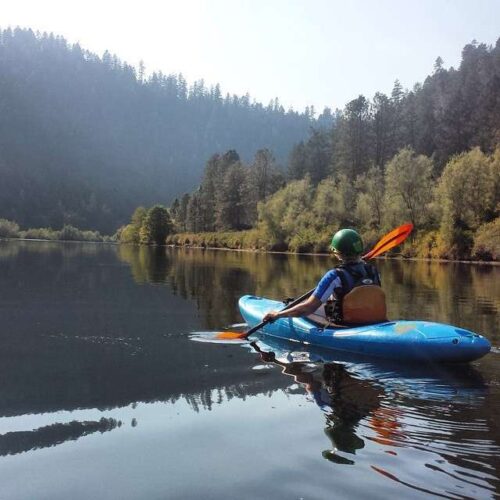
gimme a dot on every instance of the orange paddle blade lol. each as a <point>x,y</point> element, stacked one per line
<point>231,335</point>
<point>390,240</point>
<point>390,244</point>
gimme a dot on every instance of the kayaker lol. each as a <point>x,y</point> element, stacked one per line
<point>348,294</point>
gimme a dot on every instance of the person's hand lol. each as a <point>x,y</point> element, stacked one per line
<point>270,316</point>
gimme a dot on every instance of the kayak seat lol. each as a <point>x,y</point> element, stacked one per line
<point>364,305</point>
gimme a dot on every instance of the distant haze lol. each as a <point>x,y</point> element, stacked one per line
<point>318,52</point>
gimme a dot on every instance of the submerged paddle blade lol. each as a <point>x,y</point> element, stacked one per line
<point>213,338</point>
<point>390,240</point>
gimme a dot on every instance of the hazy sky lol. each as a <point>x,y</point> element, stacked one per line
<point>320,52</point>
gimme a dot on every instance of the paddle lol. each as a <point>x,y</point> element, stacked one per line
<point>244,335</point>
<point>390,240</point>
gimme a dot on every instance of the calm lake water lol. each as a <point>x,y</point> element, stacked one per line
<point>103,393</point>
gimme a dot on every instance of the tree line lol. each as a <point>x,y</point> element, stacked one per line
<point>456,214</point>
<point>11,230</point>
<point>204,276</point>
<point>453,111</point>
<point>429,155</point>
<point>84,139</point>
<point>229,193</point>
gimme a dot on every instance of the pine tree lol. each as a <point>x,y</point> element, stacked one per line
<point>194,221</point>
<point>383,128</point>
<point>297,162</point>
<point>262,180</point>
<point>230,205</point>
<point>318,155</point>
<point>353,138</point>
<point>183,213</point>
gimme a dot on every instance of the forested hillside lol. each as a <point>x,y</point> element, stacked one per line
<point>453,111</point>
<point>85,139</point>
<point>430,155</point>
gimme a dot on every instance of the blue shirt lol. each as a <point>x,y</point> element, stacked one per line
<point>326,286</point>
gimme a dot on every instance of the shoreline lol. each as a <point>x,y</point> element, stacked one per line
<point>59,241</point>
<point>259,251</point>
<point>312,254</point>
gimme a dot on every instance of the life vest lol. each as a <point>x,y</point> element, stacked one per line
<point>361,299</point>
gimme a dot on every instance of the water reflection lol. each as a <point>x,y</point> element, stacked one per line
<point>344,399</point>
<point>461,294</point>
<point>94,329</point>
<point>403,411</point>
<point>78,333</point>
<point>12,443</point>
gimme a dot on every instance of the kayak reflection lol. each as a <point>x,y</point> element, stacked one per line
<point>384,403</point>
<point>344,399</point>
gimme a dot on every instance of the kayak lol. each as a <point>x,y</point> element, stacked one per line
<point>401,340</point>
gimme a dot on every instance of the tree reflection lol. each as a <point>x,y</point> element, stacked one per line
<point>216,279</point>
<point>148,264</point>
<point>462,294</point>
<point>78,332</point>
<point>13,443</point>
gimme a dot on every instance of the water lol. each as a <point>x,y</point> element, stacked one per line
<point>104,395</point>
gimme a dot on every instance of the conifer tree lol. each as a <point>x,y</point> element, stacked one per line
<point>230,204</point>
<point>353,146</point>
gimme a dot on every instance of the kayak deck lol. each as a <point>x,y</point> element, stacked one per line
<point>410,340</point>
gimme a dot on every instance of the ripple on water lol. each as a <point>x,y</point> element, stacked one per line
<point>449,441</point>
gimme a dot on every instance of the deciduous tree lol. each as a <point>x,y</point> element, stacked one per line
<point>408,184</point>
<point>156,226</point>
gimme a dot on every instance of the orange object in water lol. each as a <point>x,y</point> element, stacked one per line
<point>384,421</point>
<point>363,305</point>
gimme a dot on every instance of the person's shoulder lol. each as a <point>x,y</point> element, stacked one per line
<point>331,274</point>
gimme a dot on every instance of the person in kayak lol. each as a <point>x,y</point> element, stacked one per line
<point>349,294</point>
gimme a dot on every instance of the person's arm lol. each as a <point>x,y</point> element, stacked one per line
<point>325,288</point>
<point>303,309</point>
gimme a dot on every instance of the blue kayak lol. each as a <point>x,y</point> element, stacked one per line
<point>402,340</point>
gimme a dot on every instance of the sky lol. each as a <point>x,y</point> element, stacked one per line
<point>305,52</point>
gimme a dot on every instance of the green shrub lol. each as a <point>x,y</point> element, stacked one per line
<point>303,241</point>
<point>41,233</point>
<point>8,229</point>
<point>129,234</point>
<point>487,241</point>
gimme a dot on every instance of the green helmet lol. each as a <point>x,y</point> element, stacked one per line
<point>347,242</point>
